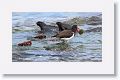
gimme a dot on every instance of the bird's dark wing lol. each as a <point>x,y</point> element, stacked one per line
<point>65,34</point>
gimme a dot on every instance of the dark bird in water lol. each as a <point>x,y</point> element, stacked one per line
<point>67,34</point>
<point>47,29</point>
<point>63,26</point>
<point>41,25</point>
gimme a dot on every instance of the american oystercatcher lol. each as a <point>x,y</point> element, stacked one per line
<point>67,34</point>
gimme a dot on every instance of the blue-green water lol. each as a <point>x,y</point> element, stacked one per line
<point>82,48</point>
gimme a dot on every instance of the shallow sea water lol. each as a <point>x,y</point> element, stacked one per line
<point>82,48</point>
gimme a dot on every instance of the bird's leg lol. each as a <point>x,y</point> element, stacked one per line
<point>64,41</point>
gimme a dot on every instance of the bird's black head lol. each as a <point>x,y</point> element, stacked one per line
<point>75,28</point>
<point>60,26</point>
<point>40,24</point>
<point>58,23</point>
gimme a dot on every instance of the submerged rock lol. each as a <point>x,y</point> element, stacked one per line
<point>98,29</point>
<point>40,36</point>
<point>26,43</point>
<point>58,47</point>
<point>75,21</point>
<point>94,20</point>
